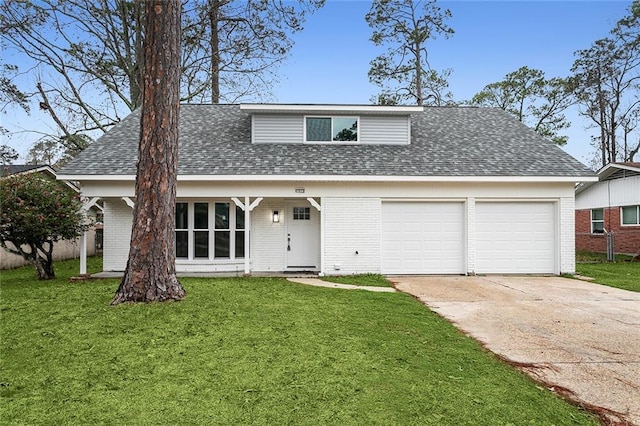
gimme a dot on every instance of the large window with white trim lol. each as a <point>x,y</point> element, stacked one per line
<point>182,230</point>
<point>209,231</point>
<point>331,129</point>
<point>630,215</point>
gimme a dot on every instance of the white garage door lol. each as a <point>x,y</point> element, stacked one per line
<point>422,238</point>
<point>515,238</point>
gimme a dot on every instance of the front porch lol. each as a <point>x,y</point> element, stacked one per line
<point>233,236</point>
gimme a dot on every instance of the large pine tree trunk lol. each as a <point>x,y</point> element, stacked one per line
<point>150,274</point>
<point>214,44</point>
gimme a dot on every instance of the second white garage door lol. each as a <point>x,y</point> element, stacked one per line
<point>423,238</point>
<point>517,238</point>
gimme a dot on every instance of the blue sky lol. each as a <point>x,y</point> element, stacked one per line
<point>330,59</point>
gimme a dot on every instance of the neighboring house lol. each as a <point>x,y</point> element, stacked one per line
<point>12,169</point>
<point>610,205</point>
<point>345,189</point>
<point>63,250</point>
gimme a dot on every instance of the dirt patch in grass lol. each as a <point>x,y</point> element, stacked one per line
<point>369,280</point>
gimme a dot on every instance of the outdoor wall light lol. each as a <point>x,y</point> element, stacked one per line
<point>276,216</point>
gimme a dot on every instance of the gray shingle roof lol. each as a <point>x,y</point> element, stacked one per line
<point>12,169</point>
<point>446,141</point>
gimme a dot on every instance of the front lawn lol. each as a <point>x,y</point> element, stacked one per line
<point>621,274</point>
<point>249,351</point>
<point>592,257</point>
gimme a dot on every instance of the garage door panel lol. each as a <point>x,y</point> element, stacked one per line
<point>422,238</point>
<point>515,237</point>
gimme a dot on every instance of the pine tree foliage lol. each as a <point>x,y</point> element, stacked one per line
<point>404,72</point>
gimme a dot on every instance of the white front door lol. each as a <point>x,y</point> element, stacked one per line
<point>303,235</point>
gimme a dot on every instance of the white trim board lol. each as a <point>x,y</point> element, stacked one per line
<point>341,178</point>
<point>308,108</point>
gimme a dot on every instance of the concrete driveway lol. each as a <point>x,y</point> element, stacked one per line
<point>579,338</point>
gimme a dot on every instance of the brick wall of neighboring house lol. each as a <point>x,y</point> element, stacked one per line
<point>626,238</point>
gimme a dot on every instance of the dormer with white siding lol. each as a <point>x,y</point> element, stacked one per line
<point>330,124</point>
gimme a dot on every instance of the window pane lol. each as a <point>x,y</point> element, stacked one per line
<point>630,215</point>
<point>239,244</point>
<point>301,213</point>
<point>222,215</point>
<point>597,227</point>
<point>182,213</point>
<point>201,244</point>
<point>345,129</point>
<point>239,218</point>
<point>201,216</point>
<point>597,214</point>
<point>318,129</point>
<point>221,244</point>
<point>182,244</point>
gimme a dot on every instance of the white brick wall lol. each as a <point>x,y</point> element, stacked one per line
<point>471,235</point>
<point>567,236</point>
<point>118,218</point>
<point>267,238</point>
<point>350,225</point>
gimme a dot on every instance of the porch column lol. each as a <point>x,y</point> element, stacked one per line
<point>83,253</point>
<point>318,206</point>
<point>247,228</point>
<point>322,236</point>
<point>83,238</point>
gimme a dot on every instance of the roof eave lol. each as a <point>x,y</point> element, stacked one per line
<point>342,178</point>
<point>609,169</point>
<point>604,173</point>
<point>329,108</point>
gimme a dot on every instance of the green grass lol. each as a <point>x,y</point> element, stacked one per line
<point>621,274</point>
<point>63,270</point>
<point>249,351</point>
<point>624,275</point>
<point>369,280</point>
<point>591,257</point>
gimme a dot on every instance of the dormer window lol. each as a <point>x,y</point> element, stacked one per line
<point>331,129</point>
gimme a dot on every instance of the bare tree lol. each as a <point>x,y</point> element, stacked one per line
<point>232,48</point>
<point>10,95</point>
<point>87,54</point>
<point>150,272</point>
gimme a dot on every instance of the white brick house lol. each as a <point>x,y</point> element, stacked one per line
<point>344,189</point>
